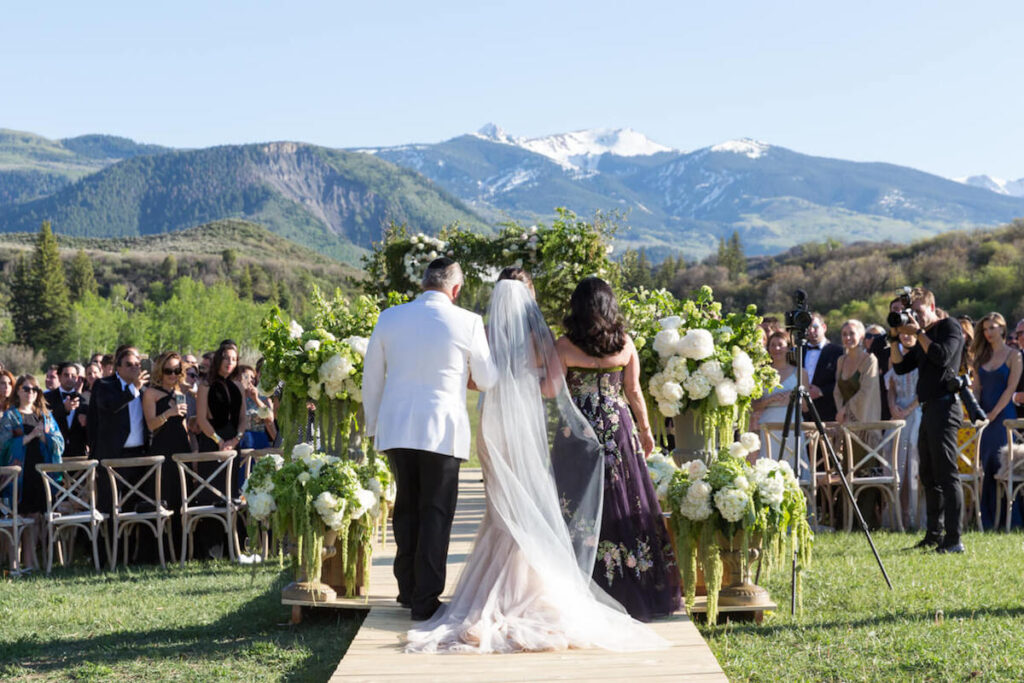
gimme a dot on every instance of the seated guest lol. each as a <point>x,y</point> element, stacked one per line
<point>64,403</point>
<point>30,436</point>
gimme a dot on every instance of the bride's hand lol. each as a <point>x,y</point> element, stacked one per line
<point>647,442</point>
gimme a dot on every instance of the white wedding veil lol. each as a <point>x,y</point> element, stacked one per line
<point>527,583</point>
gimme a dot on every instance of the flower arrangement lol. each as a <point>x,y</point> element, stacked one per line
<point>711,363</point>
<point>661,469</point>
<point>713,504</point>
<point>422,250</point>
<point>311,494</point>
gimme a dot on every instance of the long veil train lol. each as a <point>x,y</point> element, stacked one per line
<point>526,586</point>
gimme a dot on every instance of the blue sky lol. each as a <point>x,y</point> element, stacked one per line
<point>933,85</point>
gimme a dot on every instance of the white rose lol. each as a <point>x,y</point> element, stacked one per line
<point>366,500</point>
<point>303,478</point>
<point>312,345</point>
<point>742,366</point>
<point>278,460</point>
<point>665,342</point>
<point>697,503</point>
<point>261,505</point>
<point>737,450</point>
<point>302,450</point>
<point>712,369</point>
<point>697,344</point>
<point>745,386</point>
<point>672,391</point>
<point>672,322</point>
<point>358,344</point>
<point>294,330</point>
<point>726,393</point>
<point>668,409</point>
<point>750,441</point>
<point>696,469</point>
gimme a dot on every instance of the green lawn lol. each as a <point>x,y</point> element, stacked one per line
<point>949,617</point>
<point>209,621</point>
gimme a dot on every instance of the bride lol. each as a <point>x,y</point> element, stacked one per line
<point>526,586</point>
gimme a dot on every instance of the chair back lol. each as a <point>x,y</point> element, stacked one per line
<point>864,450</point>
<point>122,496</point>
<point>1013,460</point>
<point>771,441</point>
<point>193,483</point>
<point>968,453</point>
<point>71,487</point>
<point>9,491</point>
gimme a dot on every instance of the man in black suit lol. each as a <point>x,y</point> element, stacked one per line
<point>64,404</point>
<point>820,358</point>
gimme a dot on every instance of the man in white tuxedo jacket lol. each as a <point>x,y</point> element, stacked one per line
<point>420,358</point>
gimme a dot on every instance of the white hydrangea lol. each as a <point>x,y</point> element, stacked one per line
<point>260,504</point>
<point>742,366</point>
<point>772,490</point>
<point>331,510</point>
<point>698,344</point>
<point>665,342</point>
<point>294,330</point>
<point>732,503</point>
<point>745,385</point>
<point>654,385</point>
<point>358,344</point>
<point>726,393</point>
<point>303,478</point>
<point>278,460</point>
<point>741,482</point>
<point>312,345</point>
<point>712,369</point>
<point>672,322</point>
<point>367,501</point>
<point>737,450</point>
<point>668,409</point>
<point>697,503</point>
<point>750,441</point>
<point>676,369</point>
<point>697,386</point>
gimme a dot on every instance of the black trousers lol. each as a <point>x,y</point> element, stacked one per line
<point>428,488</point>
<point>936,448</point>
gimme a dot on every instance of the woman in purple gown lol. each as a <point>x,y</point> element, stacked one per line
<point>635,563</point>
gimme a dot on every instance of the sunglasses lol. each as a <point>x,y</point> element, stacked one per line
<point>173,371</point>
<point>872,335</point>
<point>30,390</point>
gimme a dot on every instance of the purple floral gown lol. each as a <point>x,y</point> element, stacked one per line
<point>635,563</point>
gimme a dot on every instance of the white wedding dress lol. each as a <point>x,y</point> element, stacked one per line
<point>526,586</point>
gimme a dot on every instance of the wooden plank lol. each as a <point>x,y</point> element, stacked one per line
<point>376,654</point>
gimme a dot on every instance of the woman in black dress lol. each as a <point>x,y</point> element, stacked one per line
<point>29,436</point>
<point>164,406</point>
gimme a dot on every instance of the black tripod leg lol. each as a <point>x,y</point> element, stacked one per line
<point>834,461</point>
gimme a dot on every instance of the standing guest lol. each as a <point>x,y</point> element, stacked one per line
<point>903,405</point>
<point>204,364</point>
<point>772,406</point>
<point>418,363</point>
<point>164,408</point>
<point>107,365</point>
<point>1018,396</point>
<point>636,565</point>
<point>936,355</point>
<point>998,369</point>
<point>190,387</point>
<point>93,372</point>
<point>30,436</point>
<point>52,377</point>
<point>259,416</point>
<point>857,397</point>
<point>880,349</point>
<point>966,432</point>
<point>64,403</point>
<point>871,333</point>
<point>820,358</point>
<point>6,390</point>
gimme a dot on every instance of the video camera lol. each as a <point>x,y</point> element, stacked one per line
<point>799,319</point>
<point>907,315</point>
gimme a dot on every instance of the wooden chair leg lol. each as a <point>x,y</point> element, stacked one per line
<point>159,533</point>
<point>93,533</point>
<point>49,549</point>
<point>112,554</point>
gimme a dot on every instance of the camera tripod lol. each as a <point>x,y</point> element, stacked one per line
<point>794,418</point>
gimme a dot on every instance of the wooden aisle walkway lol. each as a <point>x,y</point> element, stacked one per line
<point>376,654</point>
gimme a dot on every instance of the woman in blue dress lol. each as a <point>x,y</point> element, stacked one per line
<point>998,369</point>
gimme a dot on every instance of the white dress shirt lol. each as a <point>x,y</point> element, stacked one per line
<point>71,415</point>
<point>811,356</point>
<point>417,364</point>
<point>135,436</point>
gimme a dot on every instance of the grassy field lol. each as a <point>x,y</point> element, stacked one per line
<point>949,617</point>
<point>207,622</point>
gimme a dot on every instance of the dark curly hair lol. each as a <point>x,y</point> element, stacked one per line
<point>594,323</point>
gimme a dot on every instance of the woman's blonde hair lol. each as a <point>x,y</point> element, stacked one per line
<point>157,379</point>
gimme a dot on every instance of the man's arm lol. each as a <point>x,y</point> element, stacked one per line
<point>481,365</point>
<point>948,341</point>
<point>109,400</point>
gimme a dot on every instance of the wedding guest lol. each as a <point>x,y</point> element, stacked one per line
<point>107,364</point>
<point>93,372</point>
<point>6,390</point>
<point>880,349</point>
<point>966,432</point>
<point>30,436</point>
<point>259,417</point>
<point>1018,396</point>
<point>903,405</point>
<point>858,399</point>
<point>220,410</point>
<point>64,403</point>
<point>164,408</point>
<point>52,377</point>
<point>998,369</point>
<point>772,406</point>
<point>871,333</point>
<point>820,358</point>
<point>635,562</point>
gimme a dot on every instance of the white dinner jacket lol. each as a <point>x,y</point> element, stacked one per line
<point>417,364</point>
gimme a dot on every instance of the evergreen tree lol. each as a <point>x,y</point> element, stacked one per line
<point>81,278</point>
<point>636,270</point>
<point>230,257</point>
<point>245,284</point>
<point>169,268</point>
<point>22,301</point>
<point>41,306</point>
<point>730,255</point>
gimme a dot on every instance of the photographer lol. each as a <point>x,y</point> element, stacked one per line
<point>937,359</point>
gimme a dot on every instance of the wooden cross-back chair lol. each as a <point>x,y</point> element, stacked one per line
<point>71,504</point>
<point>247,458</point>
<point>1010,477</point>
<point>128,494</point>
<point>11,524</point>
<point>809,462</point>
<point>970,471</point>
<point>873,465</point>
<point>197,487</point>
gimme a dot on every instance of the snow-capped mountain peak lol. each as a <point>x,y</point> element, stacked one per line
<point>580,150</point>
<point>1013,188</point>
<point>749,147</point>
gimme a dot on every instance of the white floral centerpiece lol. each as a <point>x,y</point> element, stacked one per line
<point>661,469</point>
<point>311,494</point>
<point>713,505</point>
<point>710,363</point>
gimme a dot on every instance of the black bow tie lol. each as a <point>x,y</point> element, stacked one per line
<point>812,346</point>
